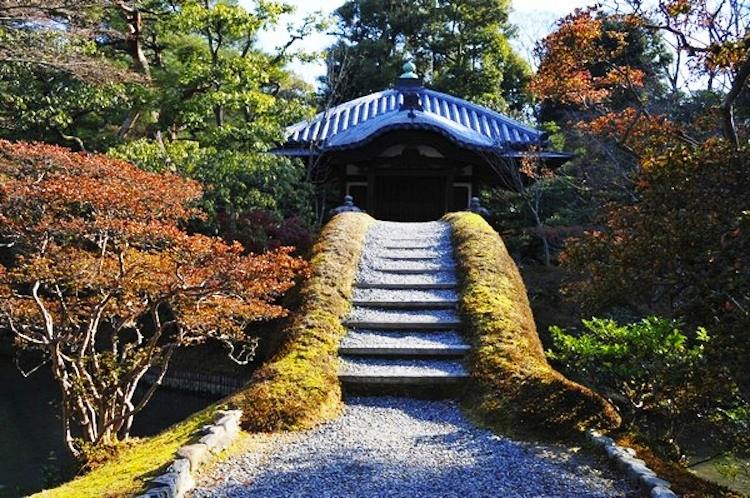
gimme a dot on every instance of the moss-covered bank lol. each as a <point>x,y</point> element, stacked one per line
<point>127,472</point>
<point>299,386</point>
<point>512,387</point>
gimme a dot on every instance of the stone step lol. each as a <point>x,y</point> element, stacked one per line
<point>407,247</point>
<point>413,241</point>
<point>380,371</point>
<point>411,343</point>
<point>403,317</point>
<point>420,254</point>
<point>412,305</point>
<point>414,271</point>
<point>402,325</point>
<point>449,284</point>
<point>410,257</point>
<point>405,294</point>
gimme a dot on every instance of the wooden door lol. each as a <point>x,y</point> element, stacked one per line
<point>410,198</point>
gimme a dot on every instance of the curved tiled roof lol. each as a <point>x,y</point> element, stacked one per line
<point>358,121</point>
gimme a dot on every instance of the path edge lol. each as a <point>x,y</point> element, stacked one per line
<point>626,460</point>
<point>212,438</point>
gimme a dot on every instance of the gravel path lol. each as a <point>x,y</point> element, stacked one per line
<point>395,447</point>
<point>398,447</point>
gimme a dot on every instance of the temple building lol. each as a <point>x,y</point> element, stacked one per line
<point>410,153</point>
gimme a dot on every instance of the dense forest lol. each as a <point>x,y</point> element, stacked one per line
<point>636,252</point>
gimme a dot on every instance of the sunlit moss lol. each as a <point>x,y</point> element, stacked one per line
<point>513,387</point>
<point>299,387</point>
<point>126,473</point>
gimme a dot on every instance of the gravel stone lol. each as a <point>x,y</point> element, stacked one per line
<point>395,265</point>
<point>388,253</point>
<point>404,295</point>
<point>381,277</point>
<point>394,447</point>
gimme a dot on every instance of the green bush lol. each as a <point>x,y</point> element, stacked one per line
<point>643,366</point>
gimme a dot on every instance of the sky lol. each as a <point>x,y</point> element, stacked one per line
<point>534,18</point>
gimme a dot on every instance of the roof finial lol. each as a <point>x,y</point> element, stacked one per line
<point>409,70</point>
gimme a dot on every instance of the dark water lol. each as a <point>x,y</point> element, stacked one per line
<point>32,451</point>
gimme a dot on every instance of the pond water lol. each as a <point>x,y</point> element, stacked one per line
<point>31,443</point>
<point>728,471</point>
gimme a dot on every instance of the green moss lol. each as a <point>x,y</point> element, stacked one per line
<point>126,473</point>
<point>299,387</point>
<point>513,386</point>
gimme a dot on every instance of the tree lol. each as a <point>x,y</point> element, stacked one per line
<point>585,63</point>
<point>675,246</point>
<point>99,278</point>
<point>713,37</point>
<point>65,69</point>
<point>168,85</point>
<point>461,47</point>
<point>679,250</point>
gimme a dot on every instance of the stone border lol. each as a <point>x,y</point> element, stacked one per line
<point>636,469</point>
<point>178,478</point>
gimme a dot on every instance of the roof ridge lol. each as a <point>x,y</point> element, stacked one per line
<point>483,108</point>
<point>455,112</point>
<point>347,104</point>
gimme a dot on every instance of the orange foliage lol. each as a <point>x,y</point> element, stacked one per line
<point>637,130</point>
<point>100,277</point>
<point>568,55</point>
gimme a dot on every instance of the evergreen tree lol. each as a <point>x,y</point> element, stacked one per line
<point>460,47</point>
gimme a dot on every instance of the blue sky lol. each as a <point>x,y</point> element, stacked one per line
<point>535,18</point>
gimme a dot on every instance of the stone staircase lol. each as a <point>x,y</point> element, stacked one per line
<point>403,326</point>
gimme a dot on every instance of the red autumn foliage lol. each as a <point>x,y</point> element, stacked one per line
<point>569,55</point>
<point>640,132</point>
<point>260,230</point>
<point>100,278</point>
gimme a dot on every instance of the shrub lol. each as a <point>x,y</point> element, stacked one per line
<point>260,230</point>
<point>646,366</point>
<point>659,378</point>
<point>512,384</point>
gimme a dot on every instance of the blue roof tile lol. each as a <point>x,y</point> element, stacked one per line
<point>358,121</point>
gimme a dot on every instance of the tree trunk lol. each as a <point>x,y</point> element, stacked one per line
<point>727,107</point>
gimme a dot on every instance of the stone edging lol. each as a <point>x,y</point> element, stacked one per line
<point>635,468</point>
<point>178,479</point>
